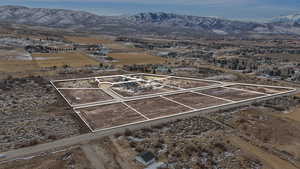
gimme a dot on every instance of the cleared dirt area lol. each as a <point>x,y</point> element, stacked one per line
<point>269,160</point>
<point>157,107</point>
<point>74,158</point>
<point>265,125</point>
<point>267,90</point>
<point>136,58</point>
<point>139,88</point>
<point>148,77</point>
<point>114,79</point>
<point>86,83</point>
<point>196,101</point>
<point>185,83</point>
<point>231,94</point>
<point>111,115</point>
<point>294,114</point>
<point>83,96</point>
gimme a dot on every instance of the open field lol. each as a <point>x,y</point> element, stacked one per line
<point>47,60</point>
<point>107,42</point>
<point>83,96</point>
<point>230,94</point>
<point>106,116</point>
<point>85,83</point>
<point>16,54</point>
<point>121,100</point>
<point>269,160</point>
<point>195,100</point>
<point>136,58</point>
<point>261,89</point>
<point>87,40</point>
<point>157,107</point>
<point>60,160</point>
<point>185,83</point>
<point>17,65</point>
<point>266,126</point>
<point>73,59</point>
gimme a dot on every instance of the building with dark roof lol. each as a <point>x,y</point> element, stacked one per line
<point>146,158</point>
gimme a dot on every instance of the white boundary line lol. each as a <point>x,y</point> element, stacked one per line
<point>192,90</point>
<point>180,77</point>
<point>76,105</point>
<point>170,92</point>
<point>188,112</point>
<point>192,111</point>
<point>104,102</point>
<point>258,85</point>
<point>219,98</point>
<point>86,123</point>
<point>61,94</point>
<point>196,91</point>
<point>79,88</point>
<point>247,91</point>
<point>135,110</point>
<point>174,101</point>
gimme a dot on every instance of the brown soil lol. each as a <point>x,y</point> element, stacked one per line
<point>281,133</point>
<point>269,161</point>
<point>83,96</point>
<point>136,58</point>
<point>294,114</point>
<point>231,94</point>
<point>89,83</point>
<point>111,115</point>
<point>186,83</point>
<point>267,90</point>
<point>61,160</point>
<point>197,101</point>
<point>157,107</point>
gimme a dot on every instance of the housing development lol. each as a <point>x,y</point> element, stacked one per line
<point>108,102</point>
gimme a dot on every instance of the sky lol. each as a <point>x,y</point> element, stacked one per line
<point>256,10</point>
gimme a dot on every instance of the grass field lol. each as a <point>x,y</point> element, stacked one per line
<point>109,43</point>
<point>136,58</point>
<point>73,59</point>
<point>17,65</point>
<point>87,40</point>
<point>44,60</point>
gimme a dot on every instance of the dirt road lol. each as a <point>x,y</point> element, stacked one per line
<point>84,138</point>
<point>92,156</point>
<point>269,160</point>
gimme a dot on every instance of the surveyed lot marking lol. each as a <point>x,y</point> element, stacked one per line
<point>145,85</point>
<point>213,96</point>
<point>178,103</point>
<point>135,110</point>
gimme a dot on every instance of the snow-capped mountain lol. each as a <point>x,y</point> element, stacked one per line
<point>289,19</point>
<point>168,23</point>
<point>48,17</point>
<point>204,23</point>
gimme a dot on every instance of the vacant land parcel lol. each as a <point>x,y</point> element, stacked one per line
<point>116,101</point>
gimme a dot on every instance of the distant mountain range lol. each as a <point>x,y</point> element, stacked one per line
<point>293,20</point>
<point>144,22</point>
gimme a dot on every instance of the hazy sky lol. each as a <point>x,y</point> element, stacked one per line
<point>235,9</point>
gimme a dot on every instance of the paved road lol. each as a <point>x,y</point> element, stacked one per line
<point>84,138</point>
